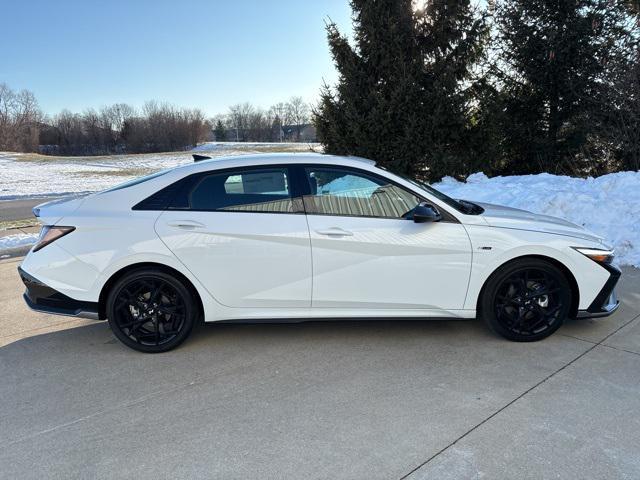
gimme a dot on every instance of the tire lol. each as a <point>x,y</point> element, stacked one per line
<point>150,310</point>
<point>526,300</point>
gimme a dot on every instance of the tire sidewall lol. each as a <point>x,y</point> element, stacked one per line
<point>487,310</point>
<point>190,309</point>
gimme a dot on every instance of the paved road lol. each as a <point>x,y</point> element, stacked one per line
<point>20,209</point>
<point>352,400</point>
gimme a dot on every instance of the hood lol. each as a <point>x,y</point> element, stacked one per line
<point>507,217</point>
<point>49,213</point>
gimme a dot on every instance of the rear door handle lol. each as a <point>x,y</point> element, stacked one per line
<point>335,232</point>
<point>186,224</point>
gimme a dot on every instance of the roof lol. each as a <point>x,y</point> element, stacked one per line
<point>274,158</point>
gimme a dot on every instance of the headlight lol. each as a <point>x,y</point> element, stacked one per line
<point>49,234</point>
<point>597,254</point>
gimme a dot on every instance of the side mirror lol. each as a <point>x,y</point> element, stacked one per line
<point>426,213</point>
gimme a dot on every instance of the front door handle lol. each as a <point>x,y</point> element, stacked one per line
<point>186,224</point>
<point>335,232</point>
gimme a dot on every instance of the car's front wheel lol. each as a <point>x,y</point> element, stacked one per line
<point>526,300</point>
<point>150,310</point>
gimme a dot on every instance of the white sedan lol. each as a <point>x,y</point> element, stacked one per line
<point>301,237</point>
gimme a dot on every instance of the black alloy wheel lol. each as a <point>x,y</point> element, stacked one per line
<point>150,310</point>
<point>526,300</point>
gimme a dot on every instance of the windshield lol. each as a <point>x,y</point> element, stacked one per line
<point>460,206</point>
<point>464,206</point>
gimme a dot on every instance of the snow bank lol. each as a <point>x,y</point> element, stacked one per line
<point>608,205</point>
<point>17,240</point>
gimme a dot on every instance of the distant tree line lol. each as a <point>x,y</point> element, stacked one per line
<point>245,122</point>
<point>118,128</point>
<point>156,127</point>
<point>513,86</point>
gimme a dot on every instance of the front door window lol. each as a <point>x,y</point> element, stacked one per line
<point>344,192</point>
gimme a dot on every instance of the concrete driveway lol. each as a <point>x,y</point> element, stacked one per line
<point>353,400</point>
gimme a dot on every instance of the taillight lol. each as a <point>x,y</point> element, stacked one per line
<point>51,233</point>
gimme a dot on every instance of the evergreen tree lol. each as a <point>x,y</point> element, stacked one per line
<point>617,112</point>
<point>554,60</point>
<point>400,98</point>
<point>220,132</point>
<point>373,111</point>
<point>451,38</point>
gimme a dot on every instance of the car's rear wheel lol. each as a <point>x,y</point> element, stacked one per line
<point>150,310</point>
<point>526,300</point>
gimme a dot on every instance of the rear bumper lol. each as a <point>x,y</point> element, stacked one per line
<point>42,298</point>
<point>606,302</point>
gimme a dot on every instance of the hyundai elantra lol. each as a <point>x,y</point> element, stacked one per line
<point>301,237</point>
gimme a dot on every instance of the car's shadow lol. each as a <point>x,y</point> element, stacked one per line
<point>97,337</point>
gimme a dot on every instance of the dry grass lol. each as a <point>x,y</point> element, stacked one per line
<point>38,158</point>
<point>9,224</point>
<point>233,148</point>
<point>123,172</point>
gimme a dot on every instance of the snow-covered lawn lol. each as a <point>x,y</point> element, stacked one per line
<point>608,206</point>
<point>31,175</point>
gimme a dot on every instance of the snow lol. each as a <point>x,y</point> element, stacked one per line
<point>17,240</point>
<point>23,177</point>
<point>29,175</point>
<point>608,205</point>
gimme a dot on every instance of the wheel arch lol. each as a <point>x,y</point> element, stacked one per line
<point>104,292</point>
<point>575,290</point>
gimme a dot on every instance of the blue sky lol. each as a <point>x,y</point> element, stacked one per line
<point>209,54</point>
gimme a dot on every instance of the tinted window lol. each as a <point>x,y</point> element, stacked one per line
<point>264,190</point>
<point>344,192</point>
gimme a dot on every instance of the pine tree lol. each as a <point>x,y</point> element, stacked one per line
<point>451,37</point>
<point>618,109</point>
<point>373,110</point>
<point>220,132</point>
<point>400,97</point>
<point>554,59</point>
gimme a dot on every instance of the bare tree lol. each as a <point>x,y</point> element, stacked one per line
<point>113,120</point>
<point>239,115</point>
<point>20,119</point>
<point>298,113</point>
<point>280,114</point>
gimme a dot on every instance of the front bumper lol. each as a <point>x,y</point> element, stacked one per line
<point>43,298</point>
<point>606,302</point>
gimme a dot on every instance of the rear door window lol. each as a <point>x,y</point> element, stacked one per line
<point>252,190</point>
